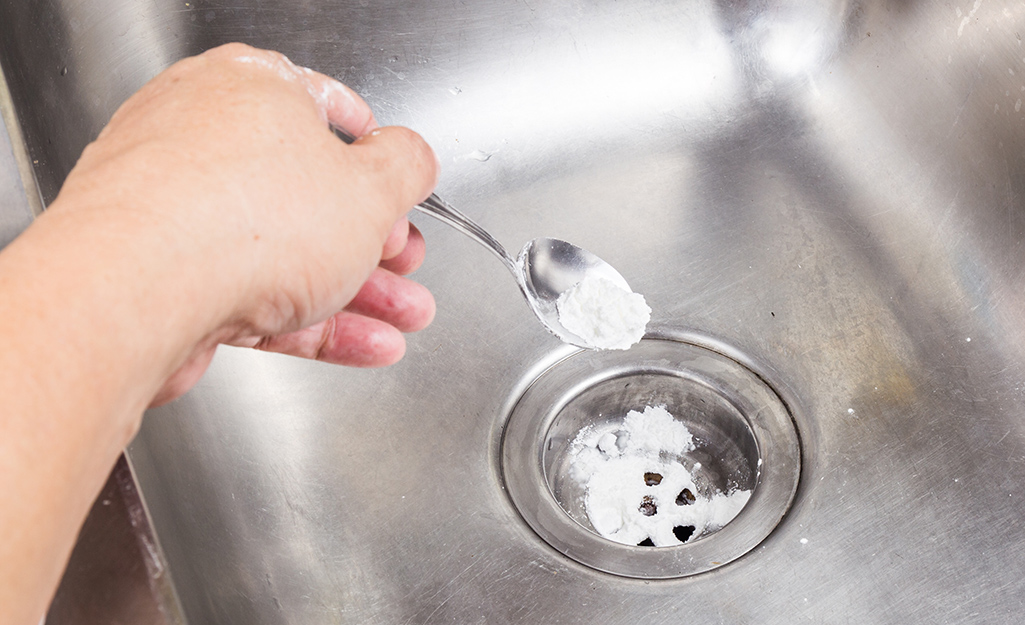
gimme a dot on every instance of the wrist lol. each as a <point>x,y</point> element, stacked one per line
<point>108,296</point>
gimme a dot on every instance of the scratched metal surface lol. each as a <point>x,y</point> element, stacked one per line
<point>834,188</point>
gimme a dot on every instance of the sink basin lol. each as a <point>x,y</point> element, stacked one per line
<point>832,190</point>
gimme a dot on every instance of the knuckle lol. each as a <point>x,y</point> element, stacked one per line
<point>234,50</point>
<point>419,159</point>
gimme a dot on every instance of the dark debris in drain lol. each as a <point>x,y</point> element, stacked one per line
<point>652,479</point>
<point>648,507</point>
<point>685,498</point>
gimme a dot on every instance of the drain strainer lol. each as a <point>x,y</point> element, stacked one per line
<point>744,442</point>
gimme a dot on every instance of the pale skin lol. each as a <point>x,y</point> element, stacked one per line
<point>216,207</point>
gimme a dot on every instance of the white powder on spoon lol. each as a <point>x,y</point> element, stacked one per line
<point>603,314</point>
<point>636,488</point>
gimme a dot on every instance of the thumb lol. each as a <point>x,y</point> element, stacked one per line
<point>399,164</point>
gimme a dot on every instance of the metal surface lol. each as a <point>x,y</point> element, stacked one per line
<point>116,575</point>
<point>833,188</point>
<point>15,205</point>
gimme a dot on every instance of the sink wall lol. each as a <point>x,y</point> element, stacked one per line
<point>835,189</point>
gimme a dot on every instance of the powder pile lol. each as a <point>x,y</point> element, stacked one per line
<point>604,315</point>
<point>637,491</point>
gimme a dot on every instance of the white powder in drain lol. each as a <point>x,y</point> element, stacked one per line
<point>637,489</point>
<point>603,314</point>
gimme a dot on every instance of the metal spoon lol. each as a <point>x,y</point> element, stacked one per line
<point>544,268</point>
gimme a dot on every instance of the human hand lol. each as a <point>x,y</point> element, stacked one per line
<point>290,240</point>
<point>366,333</point>
<point>216,207</point>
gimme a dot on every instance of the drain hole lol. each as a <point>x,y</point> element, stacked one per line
<point>685,498</point>
<point>683,532</point>
<point>648,507</point>
<point>660,446</point>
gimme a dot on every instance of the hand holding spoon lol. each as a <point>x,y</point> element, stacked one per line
<point>544,269</point>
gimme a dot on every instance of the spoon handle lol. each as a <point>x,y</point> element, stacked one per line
<point>442,211</point>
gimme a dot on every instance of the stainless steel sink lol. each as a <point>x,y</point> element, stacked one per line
<point>834,190</point>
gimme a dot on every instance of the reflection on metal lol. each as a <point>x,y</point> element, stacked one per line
<point>833,188</point>
<point>17,207</point>
<point>116,573</point>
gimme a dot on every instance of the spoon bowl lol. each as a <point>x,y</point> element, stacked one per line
<point>544,269</point>
<point>549,267</point>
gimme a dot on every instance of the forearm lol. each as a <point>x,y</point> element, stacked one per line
<point>90,326</point>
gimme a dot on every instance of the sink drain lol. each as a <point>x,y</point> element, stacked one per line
<point>744,448</point>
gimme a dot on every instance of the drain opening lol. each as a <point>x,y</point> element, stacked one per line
<point>629,492</point>
<point>741,440</point>
<point>684,533</point>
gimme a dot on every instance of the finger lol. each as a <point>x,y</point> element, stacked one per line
<point>397,164</point>
<point>341,105</point>
<point>396,241</point>
<point>411,257</point>
<point>397,301</point>
<point>344,339</point>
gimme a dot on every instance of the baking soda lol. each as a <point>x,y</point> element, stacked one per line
<point>603,314</point>
<point>636,488</point>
